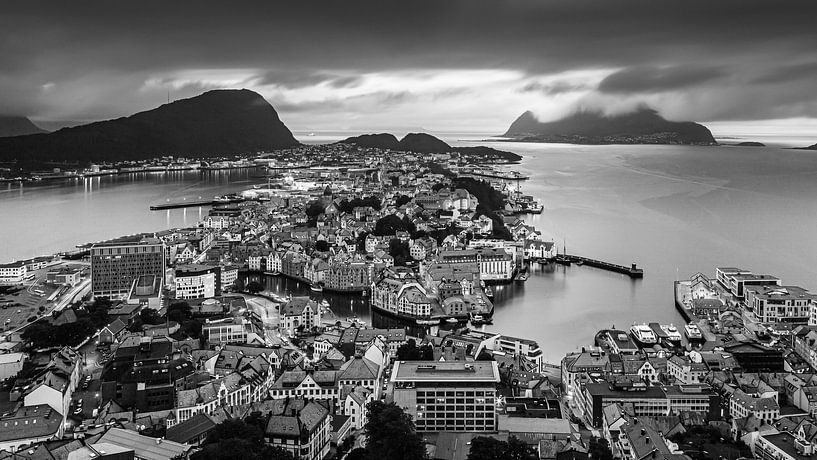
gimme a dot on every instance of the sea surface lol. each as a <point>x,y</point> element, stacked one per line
<point>673,210</point>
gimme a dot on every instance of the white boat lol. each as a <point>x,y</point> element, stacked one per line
<point>643,334</point>
<point>692,331</point>
<point>671,332</point>
<point>452,321</point>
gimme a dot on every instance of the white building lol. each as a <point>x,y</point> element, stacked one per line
<point>196,281</point>
<point>13,273</point>
<point>297,312</point>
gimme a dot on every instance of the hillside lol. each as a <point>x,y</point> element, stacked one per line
<point>810,147</point>
<point>220,122</point>
<point>426,143</point>
<point>644,126</point>
<point>380,141</point>
<point>17,126</point>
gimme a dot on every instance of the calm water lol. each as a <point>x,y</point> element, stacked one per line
<point>673,210</point>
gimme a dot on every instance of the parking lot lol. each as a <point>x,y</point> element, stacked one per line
<point>19,303</point>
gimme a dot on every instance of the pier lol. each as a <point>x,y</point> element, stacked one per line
<point>191,204</point>
<point>632,271</point>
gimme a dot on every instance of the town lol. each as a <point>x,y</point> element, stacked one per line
<point>170,344</point>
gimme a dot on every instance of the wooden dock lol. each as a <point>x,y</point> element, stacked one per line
<point>568,259</point>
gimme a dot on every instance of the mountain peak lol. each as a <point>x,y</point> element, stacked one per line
<point>14,125</point>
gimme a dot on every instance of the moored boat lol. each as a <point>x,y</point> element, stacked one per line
<point>643,335</point>
<point>693,332</point>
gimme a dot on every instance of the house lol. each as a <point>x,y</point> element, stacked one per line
<point>354,406</point>
<point>685,370</point>
<point>192,431</point>
<point>145,447</point>
<point>11,364</point>
<point>301,427</point>
<point>112,332</point>
<point>29,424</point>
<point>299,312</point>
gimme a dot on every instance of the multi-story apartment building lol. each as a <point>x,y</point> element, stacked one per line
<point>526,348</point>
<point>401,297</point>
<point>779,304</point>
<point>447,396</point>
<point>763,407</point>
<point>302,427</point>
<point>646,400</point>
<point>230,330</point>
<point>349,276</point>
<point>494,264</point>
<point>117,263</point>
<point>685,371</point>
<point>736,280</point>
<point>12,273</point>
<point>197,281</point>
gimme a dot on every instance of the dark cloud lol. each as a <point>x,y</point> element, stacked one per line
<point>648,79</point>
<point>91,58</point>
<point>788,73</point>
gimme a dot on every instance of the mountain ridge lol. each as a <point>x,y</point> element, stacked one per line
<point>643,126</point>
<point>214,123</point>
<point>425,143</point>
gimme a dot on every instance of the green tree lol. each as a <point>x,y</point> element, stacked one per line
<point>390,433</point>
<point>322,245</point>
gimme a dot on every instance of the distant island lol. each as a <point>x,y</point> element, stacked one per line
<point>215,123</point>
<point>643,126</point>
<point>11,125</point>
<point>750,144</point>
<point>426,143</point>
<point>810,147</point>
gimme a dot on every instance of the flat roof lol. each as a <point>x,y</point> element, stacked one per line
<point>436,371</point>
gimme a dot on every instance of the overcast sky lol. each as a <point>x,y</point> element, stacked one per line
<point>442,65</point>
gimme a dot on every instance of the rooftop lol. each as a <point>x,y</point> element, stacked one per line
<point>433,371</point>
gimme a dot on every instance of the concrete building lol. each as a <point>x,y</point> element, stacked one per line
<point>12,273</point>
<point>780,304</point>
<point>117,263</point>
<point>197,281</point>
<point>447,396</point>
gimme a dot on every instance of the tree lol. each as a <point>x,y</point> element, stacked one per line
<point>400,200</point>
<point>488,448</point>
<point>390,433</point>
<point>400,251</point>
<point>322,245</point>
<point>358,453</point>
<point>233,439</point>
<point>254,287</point>
<point>409,351</point>
<point>150,316</point>
<point>598,448</point>
<point>315,209</point>
<point>179,312</point>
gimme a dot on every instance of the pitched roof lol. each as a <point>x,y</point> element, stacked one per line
<point>191,428</point>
